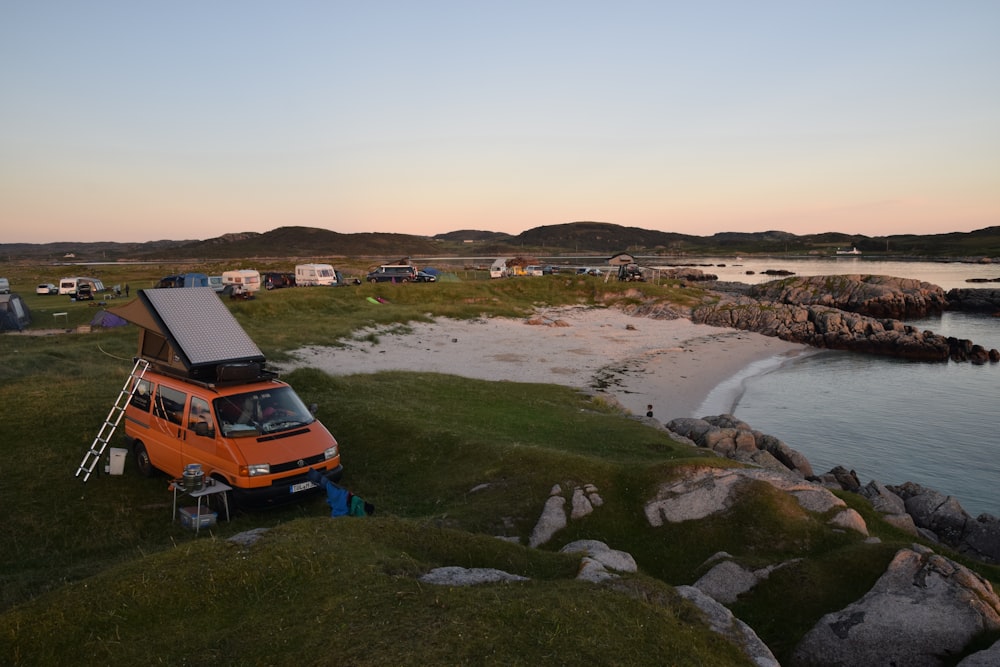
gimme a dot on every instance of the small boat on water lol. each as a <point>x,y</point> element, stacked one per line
<point>852,251</point>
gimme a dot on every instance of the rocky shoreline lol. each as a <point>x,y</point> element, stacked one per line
<point>920,511</point>
<point>859,313</point>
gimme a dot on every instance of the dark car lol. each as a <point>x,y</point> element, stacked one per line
<point>393,273</point>
<point>85,292</point>
<point>424,277</point>
<point>276,280</point>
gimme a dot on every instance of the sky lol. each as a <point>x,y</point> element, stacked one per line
<point>125,120</point>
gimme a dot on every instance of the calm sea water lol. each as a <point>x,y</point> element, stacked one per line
<point>894,421</point>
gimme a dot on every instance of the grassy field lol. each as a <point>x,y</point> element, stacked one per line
<point>98,573</point>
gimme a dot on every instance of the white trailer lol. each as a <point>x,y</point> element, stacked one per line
<point>247,280</point>
<point>307,275</point>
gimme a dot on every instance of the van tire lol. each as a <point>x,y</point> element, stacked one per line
<point>142,462</point>
<point>373,280</point>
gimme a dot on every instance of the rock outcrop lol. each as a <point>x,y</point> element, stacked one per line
<point>926,513</point>
<point>974,300</point>
<point>730,437</point>
<point>703,491</point>
<point>835,329</point>
<point>922,611</point>
<point>876,296</point>
<point>949,523</point>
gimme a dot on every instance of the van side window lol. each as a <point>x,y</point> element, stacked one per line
<point>142,396</point>
<point>199,413</point>
<point>169,404</point>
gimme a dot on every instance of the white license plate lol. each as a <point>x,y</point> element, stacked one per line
<point>302,486</point>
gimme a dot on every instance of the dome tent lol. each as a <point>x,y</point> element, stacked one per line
<point>14,313</point>
<point>105,319</point>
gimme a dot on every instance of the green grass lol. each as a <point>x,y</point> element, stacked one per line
<point>99,574</point>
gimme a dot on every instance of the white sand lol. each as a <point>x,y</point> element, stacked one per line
<point>672,364</point>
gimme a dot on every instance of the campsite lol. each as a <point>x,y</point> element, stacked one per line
<point>99,571</point>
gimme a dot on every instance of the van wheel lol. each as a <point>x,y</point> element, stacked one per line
<point>372,280</point>
<point>142,462</point>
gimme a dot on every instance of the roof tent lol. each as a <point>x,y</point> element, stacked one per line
<point>190,332</point>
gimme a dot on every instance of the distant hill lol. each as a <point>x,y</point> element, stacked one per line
<point>594,238</point>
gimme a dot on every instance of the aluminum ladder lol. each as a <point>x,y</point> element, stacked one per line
<point>100,443</point>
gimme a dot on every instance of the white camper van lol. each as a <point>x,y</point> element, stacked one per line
<point>308,275</point>
<point>247,280</point>
<point>70,285</point>
<point>499,268</point>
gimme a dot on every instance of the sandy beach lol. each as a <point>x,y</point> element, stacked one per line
<point>673,365</point>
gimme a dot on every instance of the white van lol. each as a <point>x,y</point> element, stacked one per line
<point>307,275</point>
<point>247,279</point>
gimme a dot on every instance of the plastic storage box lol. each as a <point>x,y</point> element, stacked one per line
<point>191,519</point>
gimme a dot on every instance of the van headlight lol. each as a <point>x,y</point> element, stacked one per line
<point>330,453</point>
<point>257,469</point>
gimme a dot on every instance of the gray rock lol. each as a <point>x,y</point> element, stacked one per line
<point>924,608</point>
<point>726,582</point>
<point>722,621</point>
<point>552,520</point>
<point>593,571</point>
<point>703,491</point>
<point>581,504</point>
<point>988,658</point>
<point>882,499</point>
<point>462,576</point>
<point>613,559</point>
<point>982,538</point>
<point>851,520</point>
<point>248,537</point>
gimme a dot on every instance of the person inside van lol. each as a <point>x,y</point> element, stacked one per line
<point>249,412</point>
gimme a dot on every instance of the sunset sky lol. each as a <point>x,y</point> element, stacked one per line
<point>132,121</point>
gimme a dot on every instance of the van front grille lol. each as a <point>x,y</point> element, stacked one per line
<point>295,465</point>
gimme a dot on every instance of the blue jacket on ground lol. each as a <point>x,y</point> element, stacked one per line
<point>336,497</point>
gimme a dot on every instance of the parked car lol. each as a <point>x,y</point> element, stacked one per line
<point>4,286</point>
<point>424,277</point>
<point>392,273</point>
<point>46,288</point>
<point>84,292</point>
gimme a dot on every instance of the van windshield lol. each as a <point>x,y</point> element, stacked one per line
<point>259,412</point>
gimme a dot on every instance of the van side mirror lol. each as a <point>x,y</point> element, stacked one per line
<point>313,408</point>
<point>204,429</point>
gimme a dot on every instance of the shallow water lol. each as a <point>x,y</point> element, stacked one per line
<point>936,424</point>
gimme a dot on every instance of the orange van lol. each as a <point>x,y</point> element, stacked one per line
<point>258,437</point>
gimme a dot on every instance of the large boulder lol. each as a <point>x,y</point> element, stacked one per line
<point>948,522</point>
<point>877,296</point>
<point>722,621</point>
<point>923,611</point>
